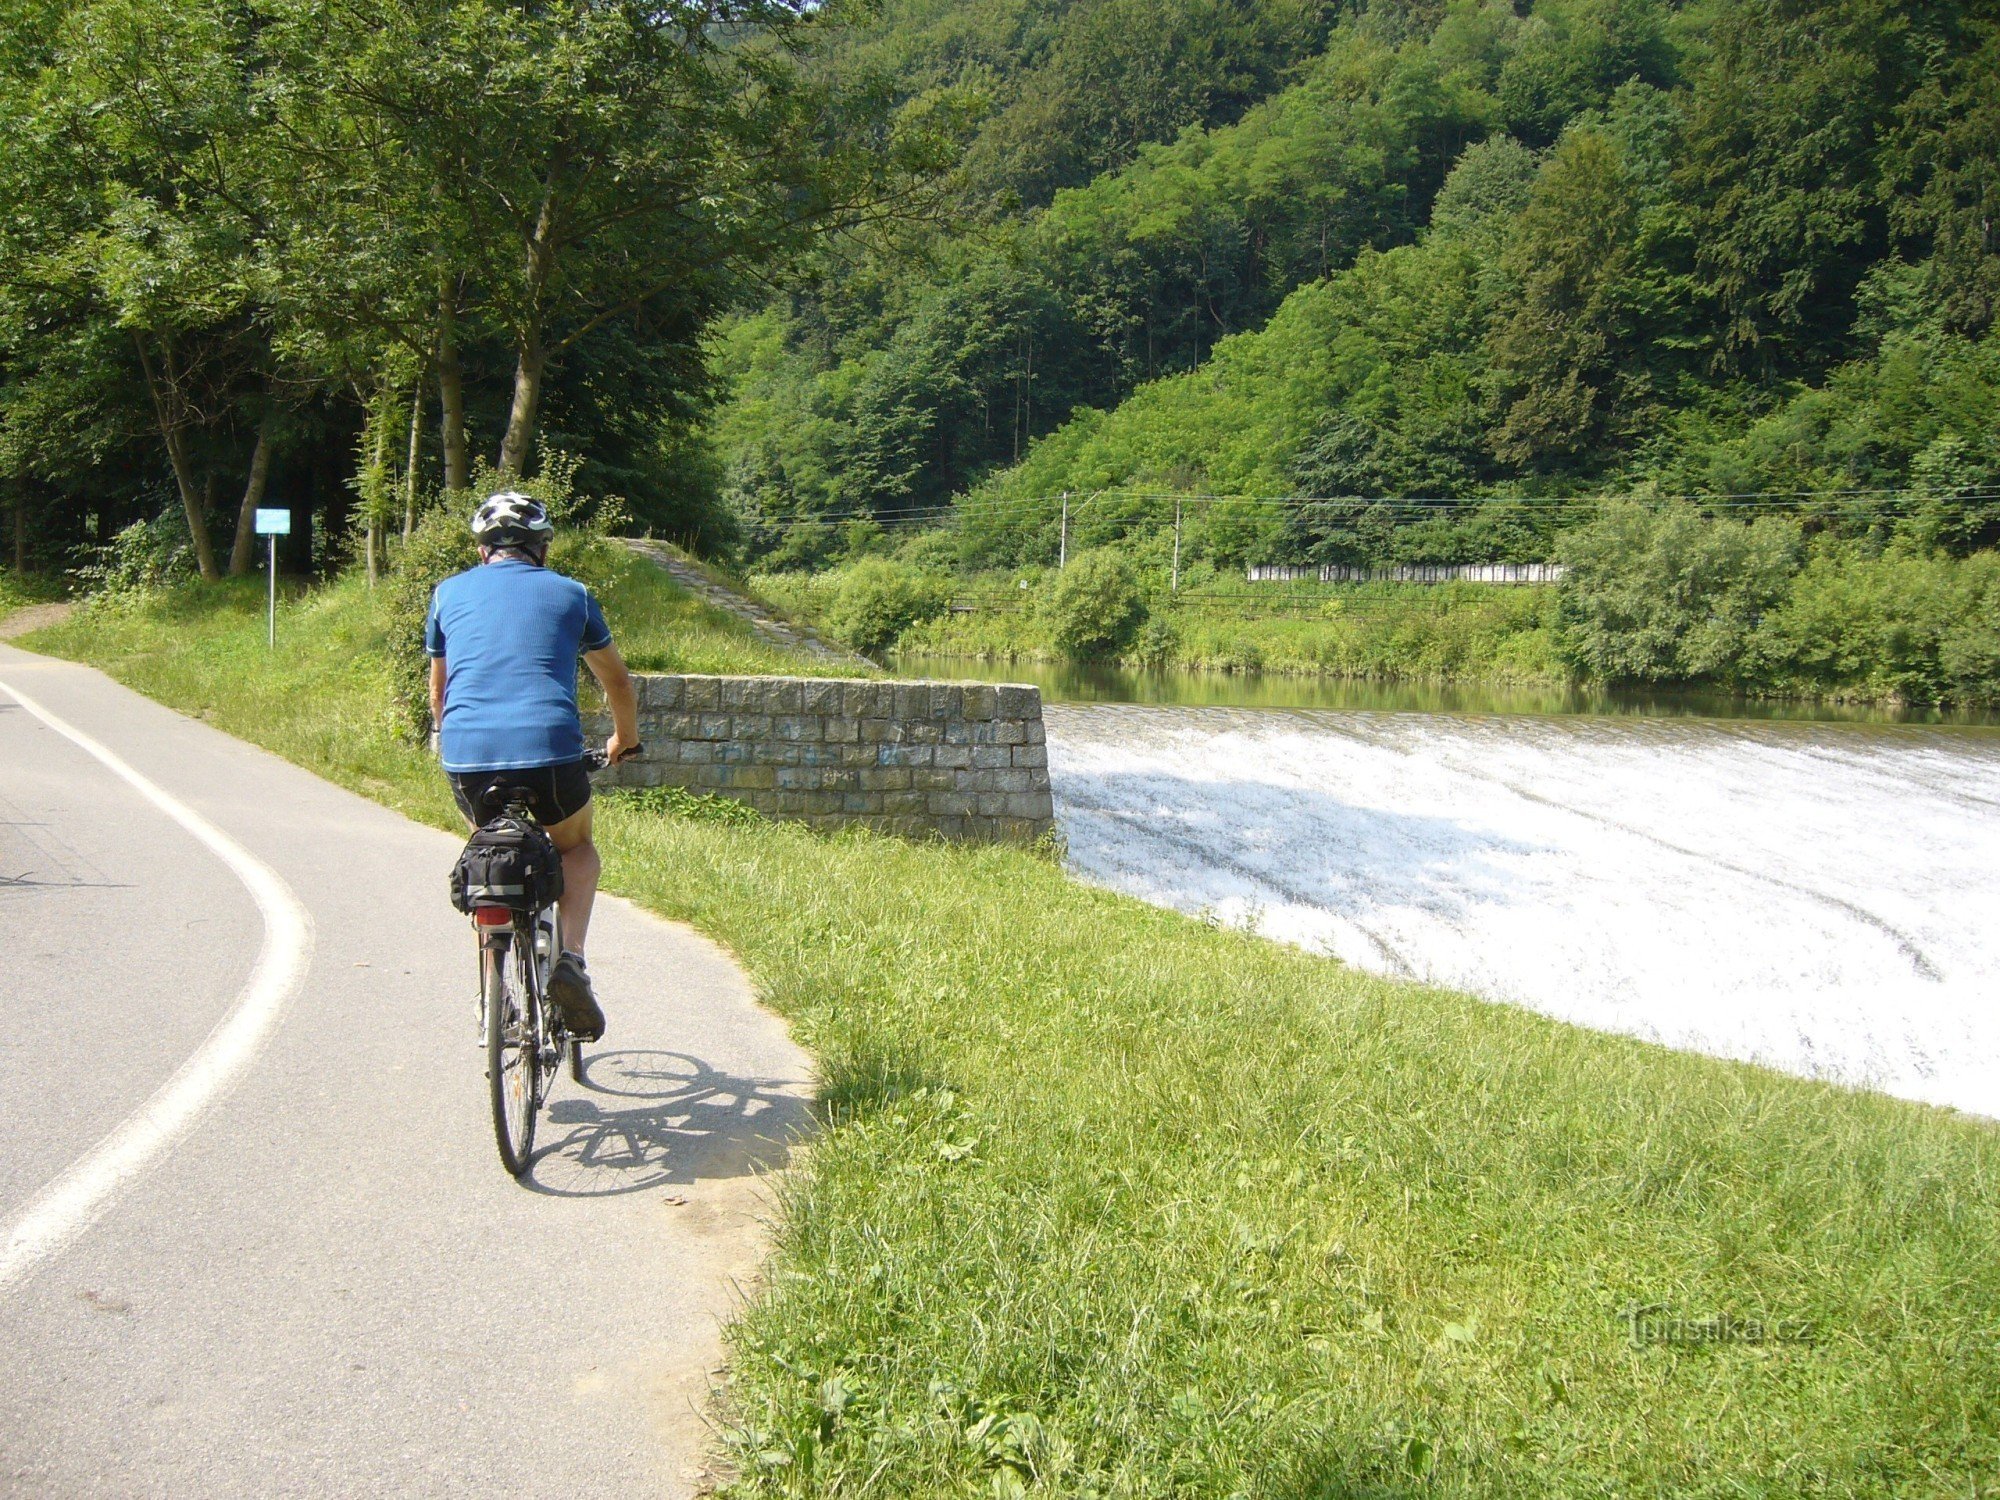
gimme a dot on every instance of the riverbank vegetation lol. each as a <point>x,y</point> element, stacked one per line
<point>1112,1202</point>
<point>1660,596</point>
<point>1464,272</point>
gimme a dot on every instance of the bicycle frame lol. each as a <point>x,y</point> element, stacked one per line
<point>523,944</point>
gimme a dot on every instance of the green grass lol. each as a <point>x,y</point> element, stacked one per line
<point>19,589</point>
<point>661,627</point>
<point>1412,632</point>
<point>1114,1203</point>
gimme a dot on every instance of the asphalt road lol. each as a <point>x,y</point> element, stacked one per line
<point>324,1283</point>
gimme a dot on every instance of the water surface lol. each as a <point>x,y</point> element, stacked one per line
<point>1069,682</point>
<point>1818,897</point>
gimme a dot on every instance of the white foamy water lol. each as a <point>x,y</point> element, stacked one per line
<point>1820,898</point>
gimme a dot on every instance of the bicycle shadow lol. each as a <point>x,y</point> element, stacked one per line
<point>645,1119</point>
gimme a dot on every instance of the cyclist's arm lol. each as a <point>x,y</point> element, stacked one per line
<point>437,691</point>
<point>609,668</point>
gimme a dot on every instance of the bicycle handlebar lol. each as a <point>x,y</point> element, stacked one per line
<point>597,760</point>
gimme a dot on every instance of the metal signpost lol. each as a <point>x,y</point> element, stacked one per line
<point>274,524</point>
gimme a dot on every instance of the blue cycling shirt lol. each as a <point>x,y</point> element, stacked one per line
<point>510,634</point>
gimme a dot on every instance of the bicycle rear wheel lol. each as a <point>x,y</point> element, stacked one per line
<point>513,1060</point>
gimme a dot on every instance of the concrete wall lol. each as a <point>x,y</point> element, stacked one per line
<point>956,760</point>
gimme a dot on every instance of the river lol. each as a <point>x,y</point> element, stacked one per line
<point>1818,897</point>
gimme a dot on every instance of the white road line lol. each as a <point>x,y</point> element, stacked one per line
<point>68,1205</point>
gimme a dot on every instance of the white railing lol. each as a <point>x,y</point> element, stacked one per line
<point>1408,573</point>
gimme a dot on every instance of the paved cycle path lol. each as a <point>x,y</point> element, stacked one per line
<point>327,1285</point>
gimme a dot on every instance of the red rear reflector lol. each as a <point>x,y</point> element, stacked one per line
<point>492,916</point>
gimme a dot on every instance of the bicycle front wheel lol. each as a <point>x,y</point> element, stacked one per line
<point>513,1061</point>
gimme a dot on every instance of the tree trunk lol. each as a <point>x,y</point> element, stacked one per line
<point>451,393</point>
<point>20,527</point>
<point>242,555</point>
<point>530,355</point>
<point>416,457</point>
<point>521,417</point>
<point>377,497</point>
<point>177,455</point>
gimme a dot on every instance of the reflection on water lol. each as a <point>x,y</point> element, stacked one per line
<point>1069,682</point>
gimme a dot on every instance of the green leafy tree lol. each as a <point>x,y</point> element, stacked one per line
<point>1560,358</point>
<point>1780,180</point>
<point>1667,595</point>
<point>878,600</point>
<point>145,157</point>
<point>1096,607</point>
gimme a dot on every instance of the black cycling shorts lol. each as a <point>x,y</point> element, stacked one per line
<point>554,792</point>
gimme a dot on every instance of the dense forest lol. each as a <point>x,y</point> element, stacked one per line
<point>340,257</point>
<point>1454,251</point>
<point>1412,281</point>
<point>964,286</point>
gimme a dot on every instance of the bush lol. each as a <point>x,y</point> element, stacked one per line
<point>877,600</point>
<point>143,558</point>
<point>441,545</point>
<point>1668,595</point>
<point>1095,607</point>
<point>1156,643</point>
<point>1903,626</point>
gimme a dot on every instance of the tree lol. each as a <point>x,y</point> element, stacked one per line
<point>1943,161</point>
<point>1780,179</point>
<point>1556,358</point>
<point>586,171</point>
<point>143,161</point>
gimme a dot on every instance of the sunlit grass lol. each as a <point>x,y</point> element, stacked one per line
<point>20,589</point>
<point>1416,632</point>
<point>663,628</point>
<point>1115,1203</point>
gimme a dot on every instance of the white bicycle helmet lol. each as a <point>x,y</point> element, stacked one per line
<point>511,519</point>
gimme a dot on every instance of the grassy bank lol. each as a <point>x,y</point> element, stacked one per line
<point>1654,597</point>
<point>18,590</point>
<point>1114,1203</point>
<point>1430,633</point>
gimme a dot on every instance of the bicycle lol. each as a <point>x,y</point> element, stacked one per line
<point>522,1034</point>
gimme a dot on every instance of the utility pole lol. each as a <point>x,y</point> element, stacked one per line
<point>1062,549</point>
<point>1175,586</point>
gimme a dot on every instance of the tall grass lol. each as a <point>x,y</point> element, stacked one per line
<point>1417,632</point>
<point>1114,1203</point>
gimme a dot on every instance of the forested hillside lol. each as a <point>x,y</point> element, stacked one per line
<point>1478,255</point>
<point>338,257</point>
<point>988,284</point>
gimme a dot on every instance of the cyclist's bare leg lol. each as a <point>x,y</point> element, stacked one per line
<point>580,870</point>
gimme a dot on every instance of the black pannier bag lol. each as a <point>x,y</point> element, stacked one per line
<point>510,862</point>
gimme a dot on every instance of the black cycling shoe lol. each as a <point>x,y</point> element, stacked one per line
<point>569,987</point>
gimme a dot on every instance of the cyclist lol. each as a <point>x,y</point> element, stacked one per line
<point>503,640</point>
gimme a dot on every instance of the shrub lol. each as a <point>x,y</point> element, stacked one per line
<point>441,545</point>
<point>143,558</point>
<point>1901,625</point>
<point>1095,607</point>
<point>877,600</point>
<point>1156,643</point>
<point>1661,595</point>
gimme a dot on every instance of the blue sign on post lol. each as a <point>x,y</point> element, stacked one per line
<point>274,524</point>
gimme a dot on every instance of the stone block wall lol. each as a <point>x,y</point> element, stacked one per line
<point>955,760</point>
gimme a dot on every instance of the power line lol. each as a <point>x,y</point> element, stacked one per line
<point>1008,507</point>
